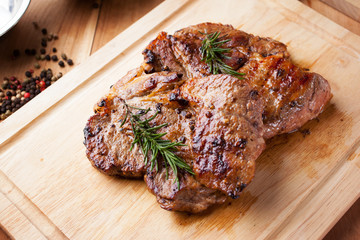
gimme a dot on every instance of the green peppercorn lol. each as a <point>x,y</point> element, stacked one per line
<point>36,65</point>
<point>54,78</point>
<point>63,56</point>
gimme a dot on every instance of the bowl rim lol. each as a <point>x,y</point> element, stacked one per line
<point>19,13</point>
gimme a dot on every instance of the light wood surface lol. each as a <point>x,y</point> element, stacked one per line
<point>349,7</point>
<point>51,206</point>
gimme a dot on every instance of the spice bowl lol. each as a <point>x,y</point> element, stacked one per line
<point>10,13</point>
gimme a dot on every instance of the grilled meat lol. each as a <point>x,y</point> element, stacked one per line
<point>222,120</point>
<point>291,95</point>
<point>217,117</point>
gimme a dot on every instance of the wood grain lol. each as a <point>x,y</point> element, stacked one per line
<point>350,8</point>
<point>57,17</point>
<point>293,173</point>
<point>39,9</point>
<point>115,16</point>
<point>334,15</point>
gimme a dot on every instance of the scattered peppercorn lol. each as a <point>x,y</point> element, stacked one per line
<point>54,58</point>
<point>47,57</point>
<point>56,37</point>
<point>16,53</point>
<point>44,43</point>
<point>54,50</point>
<point>27,51</point>
<point>70,62</point>
<point>63,56</point>
<point>44,31</point>
<point>36,25</point>
<point>28,74</point>
<point>61,64</point>
<point>33,52</point>
<point>42,50</point>
<point>36,65</point>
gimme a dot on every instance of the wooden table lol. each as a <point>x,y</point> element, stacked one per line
<point>85,26</point>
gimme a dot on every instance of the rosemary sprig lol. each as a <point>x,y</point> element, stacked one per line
<point>148,139</point>
<point>213,54</point>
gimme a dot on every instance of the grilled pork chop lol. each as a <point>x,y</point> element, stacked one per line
<point>217,117</point>
<point>291,95</point>
<point>222,120</point>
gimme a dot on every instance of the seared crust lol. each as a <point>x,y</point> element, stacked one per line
<point>291,95</point>
<point>223,134</point>
<point>222,120</point>
<point>217,117</point>
<point>191,196</point>
<point>107,144</point>
<point>227,136</point>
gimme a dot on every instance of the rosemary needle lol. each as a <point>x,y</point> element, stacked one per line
<point>148,139</point>
<point>213,54</point>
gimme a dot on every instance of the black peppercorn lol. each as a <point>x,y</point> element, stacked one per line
<point>16,52</point>
<point>28,74</point>
<point>43,43</point>
<point>54,58</point>
<point>27,51</point>
<point>62,64</point>
<point>47,57</point>
<point>44,31</point>
<point>70,62</point>
<point>33,52</point>
<point>54,50</point>
<point>42,51</point>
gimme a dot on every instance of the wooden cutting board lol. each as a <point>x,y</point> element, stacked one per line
<point>303,183</point>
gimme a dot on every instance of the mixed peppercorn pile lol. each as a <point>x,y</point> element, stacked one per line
<point>15,92</point>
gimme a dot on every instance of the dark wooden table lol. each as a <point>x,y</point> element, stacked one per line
<point>84,26</point>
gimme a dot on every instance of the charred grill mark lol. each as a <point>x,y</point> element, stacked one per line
<point>174,96</point>
<point>241,143</point>
<point>254,95</point>
<point>280,72</point>
<point>149,56</point>
<point>88,133</point>
<point>102,103</point>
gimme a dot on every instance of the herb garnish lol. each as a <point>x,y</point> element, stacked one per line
<point>148,139</point>
<point>213,54</point>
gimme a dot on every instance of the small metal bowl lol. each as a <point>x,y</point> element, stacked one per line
<point>10,13</point>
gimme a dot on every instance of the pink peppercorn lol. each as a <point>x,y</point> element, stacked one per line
<point>42,84</point>
<point>27,95</point>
